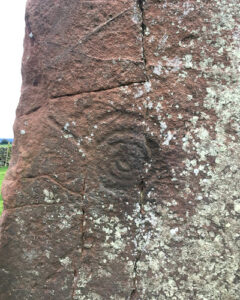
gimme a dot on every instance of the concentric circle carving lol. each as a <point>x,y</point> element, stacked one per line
<point>124,155</point>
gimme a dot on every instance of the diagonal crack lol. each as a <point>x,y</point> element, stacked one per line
<point>140,4</point>
<point>88,36</point>
<point>33,110</point>
<point>57,183</point>
<point>59,127</point>
<point>103,25</point>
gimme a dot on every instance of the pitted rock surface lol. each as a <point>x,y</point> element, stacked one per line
<point>124,177</point>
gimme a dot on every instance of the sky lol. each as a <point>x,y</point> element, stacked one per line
<point>12,29</point>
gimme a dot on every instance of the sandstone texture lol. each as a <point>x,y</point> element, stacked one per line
<point>124,177</point>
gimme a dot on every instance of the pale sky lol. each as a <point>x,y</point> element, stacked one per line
<point>12,29</point>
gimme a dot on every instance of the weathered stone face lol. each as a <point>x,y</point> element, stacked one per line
<point>124,178</point>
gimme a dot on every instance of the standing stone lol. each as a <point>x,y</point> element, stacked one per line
<point>124,179</point>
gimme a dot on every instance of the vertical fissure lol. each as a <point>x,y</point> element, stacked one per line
<point>75,279</point>
<point>140,4</point>
<point>75,269</point>
<point>134,290</point>
<point>83,229</point>
<point>83,225</point>
<point>142,190</point>
<point>82,238</point>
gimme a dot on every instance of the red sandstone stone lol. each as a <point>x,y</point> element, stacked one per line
<point>124,175</point>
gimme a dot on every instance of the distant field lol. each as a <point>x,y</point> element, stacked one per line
<point>3,170</point>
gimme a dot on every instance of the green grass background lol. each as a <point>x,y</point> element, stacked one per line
<point>3,170</point>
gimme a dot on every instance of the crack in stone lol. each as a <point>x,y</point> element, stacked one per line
<point>35,205</point>
<point>81,194</point>
<point>88,35</point>
<point>142,189</point>
<point>98,90</point>
<point>140,4</point>
<point>33,110</point>
<point>94,31</point>
<point>83,228</point>
<point>60,127</point>
<point>142,185</point>
<point>75,279</point>
<point>134,290</point>
<point>110,59</point>
<point>103,25</point>
<point>55,182</point>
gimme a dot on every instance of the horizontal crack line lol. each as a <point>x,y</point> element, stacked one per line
<point>98,90</point>
<point>110,59</point>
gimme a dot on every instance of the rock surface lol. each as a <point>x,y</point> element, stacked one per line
<point>124,179</point>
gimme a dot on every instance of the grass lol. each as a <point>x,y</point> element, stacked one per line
<point>3,170</point>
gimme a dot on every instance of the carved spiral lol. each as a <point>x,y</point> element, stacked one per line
<point>125,155</point>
